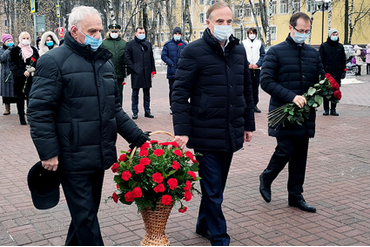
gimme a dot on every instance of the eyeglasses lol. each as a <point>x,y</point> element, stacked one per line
<point>302,31</point>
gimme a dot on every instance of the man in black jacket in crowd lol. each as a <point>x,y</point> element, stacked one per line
<point>213,73</point>
<point>75,114</point>
<point>289,69</point>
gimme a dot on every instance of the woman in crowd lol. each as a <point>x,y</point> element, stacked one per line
<point>23,63</point>
<point>368,59</point>
<point>6,76</point>
<point>49,40</point>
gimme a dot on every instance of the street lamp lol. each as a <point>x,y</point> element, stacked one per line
<point>323,5</point>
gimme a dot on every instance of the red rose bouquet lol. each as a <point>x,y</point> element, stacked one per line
<point>155,172</point>
<point>291,113</point>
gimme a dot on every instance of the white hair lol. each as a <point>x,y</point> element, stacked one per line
<point>79,13</point>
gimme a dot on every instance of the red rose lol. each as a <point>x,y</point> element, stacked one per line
<point>192,174</point>
<point>183,209</point>
<point>189,155</point>
<point>115,167</point>
<point>126,175</point>
<point>153,141</point>
<point>174,144</point>
<point>33,59</point>
<point>188,196</point>
<point>176,165</point>
<point>172,182</point>
<point>159,188</point>
<point>157,177</point>
<point>178,152</point>
<point>158,152</point>
<point>166,200</point>
<point>129,196</point>
<point>143,152</point>
<point>165,143</point>
<point>145,161</point>
<point>338,94</point>
<point>123,83</point>
<point>145,146</point>
<point>117,185</point>
<point>122,157</point>
<point>139,168</point>
<point>137,192</point>
<point>187,186</point>
<point>115,197</point>
<point>180,44</point>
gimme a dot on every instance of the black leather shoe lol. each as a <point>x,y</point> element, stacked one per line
<point>256,109</point>
<point>265,190</point>
<point>326,113</point>
<point>302,205</point>
<point>134,116</point>
<point>334,113</point>
<point>206,234</point>
<point>149,115</point>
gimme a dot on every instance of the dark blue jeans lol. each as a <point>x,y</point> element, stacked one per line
<point>135,100</point>
<point>213,169</point>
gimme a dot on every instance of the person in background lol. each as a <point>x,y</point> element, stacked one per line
<point>6,76</point>
<point>289,70</point>
<point>170,55</point>
<point>368,59</point>
<point>255,54</point>
<point>38,40</point>
<point>140,62</point>
<point>358,59</point>
<point>333,58</point>
<point>49,40</point>
<point>212,108</point>
<point>75,115</point>
<point>23,62</point>
<point>117,46</point>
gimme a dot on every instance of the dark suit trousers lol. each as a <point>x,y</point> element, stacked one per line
<point>213,169</point>
<point>135,100</point>
<point>170,84</point>
<point>294,151</point>
<point>83,194</point>
<point>255,77</point>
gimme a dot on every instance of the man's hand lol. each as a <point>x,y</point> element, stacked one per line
<point>300,101</point>
<point>181,140</point>
<point>26,73</point>
<point>50,164</point>
<point>248,136</point>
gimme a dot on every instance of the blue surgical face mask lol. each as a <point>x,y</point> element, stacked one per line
<point>94,43</point>
<point>300,38</point>
<point>50,43</point>
<point>141,36</point>
<point>222,32</point>
<point>177,37</point>
<point>9,44</point>
<point>334,38</point>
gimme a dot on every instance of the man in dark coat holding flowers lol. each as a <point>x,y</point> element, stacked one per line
<point>289,69</point>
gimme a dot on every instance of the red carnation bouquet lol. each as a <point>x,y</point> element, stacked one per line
<point>156,172</point>
<point>291,113</point>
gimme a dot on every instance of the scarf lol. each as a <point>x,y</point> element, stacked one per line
<point>142,43</point>
<point>26,49</point>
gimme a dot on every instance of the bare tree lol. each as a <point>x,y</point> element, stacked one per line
<point>356,15</point>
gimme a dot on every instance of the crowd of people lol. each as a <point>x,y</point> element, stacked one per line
<point>213,96</point>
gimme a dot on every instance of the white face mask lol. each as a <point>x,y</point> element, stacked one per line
<point>176,37</point>
<point>252,36</point>
<point>141,36</point>
<point>222,32</point>
<point>114,35</point>
<point>25,42</point>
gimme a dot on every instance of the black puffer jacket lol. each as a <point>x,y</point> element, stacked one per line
<point>219,88</point>
<point>74,108</point>
<point>333,58</point>
<point>288,70</point>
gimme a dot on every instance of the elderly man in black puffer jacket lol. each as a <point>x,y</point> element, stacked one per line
<point>75,114</point>
<point>288,70</point>
<point>213,73</point>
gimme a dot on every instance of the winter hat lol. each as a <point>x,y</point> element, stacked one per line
<point>331,31</point>
<point>177,30</point>
<point>5,37</point>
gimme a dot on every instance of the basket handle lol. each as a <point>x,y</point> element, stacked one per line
<point>150,134</point>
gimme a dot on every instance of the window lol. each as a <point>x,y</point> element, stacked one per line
<point>296,6</point>
<point>273,32</point>
<point>239,11</point>
<point>201,18</point>
<point>283,6</point>
<point>273,7</point>
<point>201,1</point>
<point>311,6</point>
<point>257,9</point>
<point>6,23</point>
<point>200,34</point>
<point>248,11</point>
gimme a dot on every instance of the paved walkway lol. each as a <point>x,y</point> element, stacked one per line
<point>337,183</point>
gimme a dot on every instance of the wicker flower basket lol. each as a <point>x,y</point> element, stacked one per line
<point>155,225</point>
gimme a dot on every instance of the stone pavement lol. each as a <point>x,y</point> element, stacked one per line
<point>337,183</point>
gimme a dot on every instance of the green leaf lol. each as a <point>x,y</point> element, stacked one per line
<point>311,91</point>
<point>318,99</point>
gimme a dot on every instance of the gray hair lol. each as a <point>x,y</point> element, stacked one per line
<point>79,13</point>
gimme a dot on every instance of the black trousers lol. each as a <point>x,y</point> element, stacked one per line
<point>213,169</point>
<point>83,194</point>
<point>170,84</point>
<point>255,77</point>
<point>326,105</point>
<point>135,100</point>
<point>294,151</point>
